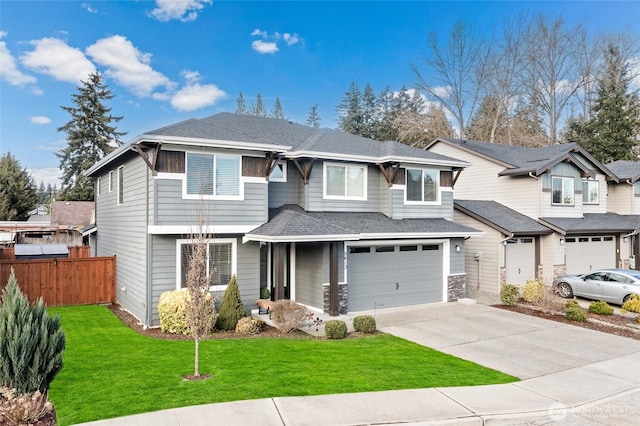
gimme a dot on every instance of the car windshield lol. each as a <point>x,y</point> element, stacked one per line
<point>636,277</point>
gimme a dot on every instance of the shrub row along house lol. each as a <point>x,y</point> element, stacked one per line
<point>544,211</point>
<point>334,221</point>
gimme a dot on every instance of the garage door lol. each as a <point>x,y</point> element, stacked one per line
<point>520,260</point>
<point>586,254</point>
<point>394,275</point>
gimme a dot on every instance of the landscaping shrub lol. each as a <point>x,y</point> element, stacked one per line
<point>364,323</point>
<point>633,304</point>
<point>509,294</point>
<point>231,307</point>
<point>23,409</point>
<point>533,291</point>
<point>264,293</point>
<point>31,342</point>
<point>172,309</point>
<point>249,325</point>
<point>335,329</point>
<point>571,303</point>
<point>287,315</point>
<point>600,308</point>
<point>576,314</point>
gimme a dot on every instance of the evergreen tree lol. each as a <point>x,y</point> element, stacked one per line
<point>90,136</point>
<point>385,131</point>
<point>258,109</point>
<point>277,110</point>
<point>31,342</point>
<point>17,189</point>
<point>490,123</point>
<point>369,113</point>
<point>314,118</point>
<point>615,122</point>
<point>231,307</point>
<point>526,127</point>
<point>241,107</point>
<point>350,117</point>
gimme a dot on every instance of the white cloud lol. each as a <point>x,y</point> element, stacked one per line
<point>9,70</point>
<point>48,175</point>
<point>128,66</point>
<point>56,58</point>
<point>183,10</point>
<point>442,91</point>
<point>269,42</point>
<point>195,95</point>
<point>264,46</point>
<point>40,119</point>
<point>89,8</point>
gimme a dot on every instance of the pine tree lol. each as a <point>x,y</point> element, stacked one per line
<point>231,307</point>
<point>615,122</point>
<point>369,113</point>
<point>241,107</point>
<point>314,118</point>
<point>90,136</point>
<point>258,109</point>
<point>350,116</point>
<point>31,342</point>
<point>17,189</point>
<point>277,111</point>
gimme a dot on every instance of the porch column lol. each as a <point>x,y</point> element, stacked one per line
<point>333,279</point>
<point>279,253</point>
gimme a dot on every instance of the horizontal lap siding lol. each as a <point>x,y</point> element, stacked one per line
<point>122,231</point>
<point>281,193</point>
<point>409,211</point>
<point>173,210</point>
<point>309,274</point>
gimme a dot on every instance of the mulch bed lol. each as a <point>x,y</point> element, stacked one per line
<point>612,324</point>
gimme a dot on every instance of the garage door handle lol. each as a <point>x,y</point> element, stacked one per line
<point>397,286</point>
<point>518,271</point>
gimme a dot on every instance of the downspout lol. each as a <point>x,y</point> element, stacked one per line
<point>149,301</point>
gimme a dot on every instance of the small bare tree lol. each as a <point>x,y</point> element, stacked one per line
<point>201,315</point>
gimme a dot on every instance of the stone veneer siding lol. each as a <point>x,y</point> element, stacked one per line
<point>342,298</point>
<point>456,287</point>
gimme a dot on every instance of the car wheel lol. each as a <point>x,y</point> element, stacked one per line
<point>565,290</point>
<point>626,298</point>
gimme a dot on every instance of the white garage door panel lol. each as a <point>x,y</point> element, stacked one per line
<point>586,254</point>
<point>520,260</point>
<point>394,278</point>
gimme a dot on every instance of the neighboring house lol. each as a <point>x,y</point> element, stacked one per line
<point>624,195</point>
<point>561,186</point>
<point>336,222</point>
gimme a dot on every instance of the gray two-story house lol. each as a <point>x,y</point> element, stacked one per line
<point>336,222</point>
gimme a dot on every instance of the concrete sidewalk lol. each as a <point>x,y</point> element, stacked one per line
<point>570,376</point>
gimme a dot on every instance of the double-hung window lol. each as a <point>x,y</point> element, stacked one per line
<point>590,192</point>
<point>562,191</point>
<point>342,181</point>
<point>221,262</point>
<point>121,185</point>
<point>210,175</point>
<point>423,185</point>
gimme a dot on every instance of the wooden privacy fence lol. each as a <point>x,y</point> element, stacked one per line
<point>8,253</point>
<point>64,282</point>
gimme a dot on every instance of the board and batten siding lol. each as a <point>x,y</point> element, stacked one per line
<point>164,270</point>
<point>309,274</point>
<point>122,231</point>
<point>400,210</point>
<point>172,209</point>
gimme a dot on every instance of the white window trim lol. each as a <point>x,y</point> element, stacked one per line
<point>436,202</point>
<point>284,172</point>
<point>215,156</point>
<point>111,181</point>
<point>345,197</point>
<point>590,182</point>
<point>120,172</point>
<point>234,259</point>
<point>98,187</point>
<point>573,193</point>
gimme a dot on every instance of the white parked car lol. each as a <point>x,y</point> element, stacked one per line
<point>611,285</point>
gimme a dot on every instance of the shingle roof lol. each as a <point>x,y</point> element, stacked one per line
<point>594,223</point>
<point>292,223</point>
<point>520,160</point>
<point>72,213</point>
<point>625,169</point>
<point>501,217</point>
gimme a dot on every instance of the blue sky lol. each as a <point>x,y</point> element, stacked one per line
<point>169,60</point>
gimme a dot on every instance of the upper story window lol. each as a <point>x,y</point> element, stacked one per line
<point>221,261</point>
<point>98,186</point>
<point>562,191</point>
<point>347,182</point>
<point>121,185</point>
<point>590,191</point>
<point>212,175</point>
<point>279,172</point>
<point>636,188</point>
<point>423,185</point>
<point>111,181</point>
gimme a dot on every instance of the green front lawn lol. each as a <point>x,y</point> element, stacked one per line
<point>111,371</point>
